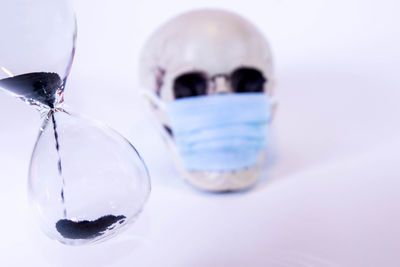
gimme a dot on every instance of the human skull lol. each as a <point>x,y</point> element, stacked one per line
<point>214,43</point>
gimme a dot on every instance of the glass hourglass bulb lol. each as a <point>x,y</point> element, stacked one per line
<point>86,182</point>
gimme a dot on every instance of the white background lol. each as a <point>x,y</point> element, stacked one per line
<point>332,198</point>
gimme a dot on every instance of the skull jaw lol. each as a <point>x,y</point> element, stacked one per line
<point>223,181</point>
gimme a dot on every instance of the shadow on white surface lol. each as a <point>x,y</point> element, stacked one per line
<point>107,254</point>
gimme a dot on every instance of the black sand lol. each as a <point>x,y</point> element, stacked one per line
<point>39,86</point>
<point>87,229</point>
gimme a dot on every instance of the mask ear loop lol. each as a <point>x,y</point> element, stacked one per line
<point>153,99</point>
<point>274,104</point>
<point>273,99</point>
<point>157,103</point>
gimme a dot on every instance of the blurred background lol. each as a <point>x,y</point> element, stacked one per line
<point>330,199</point>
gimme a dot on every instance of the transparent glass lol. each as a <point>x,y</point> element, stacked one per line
<point>86,182</point>
<point>37,49</point>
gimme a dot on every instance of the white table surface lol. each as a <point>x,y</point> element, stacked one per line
<point>332,198</point>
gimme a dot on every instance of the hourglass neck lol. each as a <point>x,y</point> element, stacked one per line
<point>47,112</point>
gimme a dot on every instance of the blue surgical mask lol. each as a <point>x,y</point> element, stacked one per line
<point>223,132</point>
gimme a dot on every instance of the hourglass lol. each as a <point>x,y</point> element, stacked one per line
<point>86,182</point>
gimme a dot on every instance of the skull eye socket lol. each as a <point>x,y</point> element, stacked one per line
<point>190,84</point>
<point>245,80</point>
